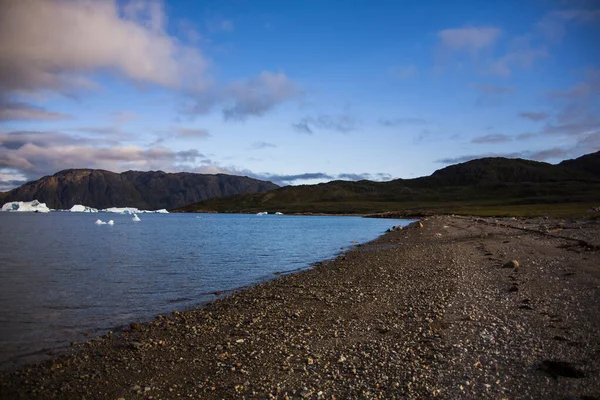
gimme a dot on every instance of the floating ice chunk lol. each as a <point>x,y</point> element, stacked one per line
<point>135,218</point>
<point>278,213</point>
<point>133,210</point>
<point>262,213</point>
<point>122,210</point>
<point>26,206</point>
<point>80,208</point>
<point>111,222</point>
<point>100,222</point>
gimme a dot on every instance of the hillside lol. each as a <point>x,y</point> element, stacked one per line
<point>483,183</point>
<point>145,190</point>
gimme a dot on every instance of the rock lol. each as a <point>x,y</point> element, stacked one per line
<point>305,393</point>
<point>512,264</point>
<point>218,293</point>
<point>136,388</point>
<point>420,224</point>
<point>135,345</point>
<point>135,326</point>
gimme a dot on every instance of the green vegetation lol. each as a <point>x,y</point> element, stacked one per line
<point>486,187</point>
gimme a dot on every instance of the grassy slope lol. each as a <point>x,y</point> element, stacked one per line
<point>493,186</point>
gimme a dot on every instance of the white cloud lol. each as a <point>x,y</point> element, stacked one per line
<point>190,133</point>
<point>54,45</point>
<point>472,40</point>
<point>41,153</point>
<point>258,95</point>
<point>343,123</point>
<point>553,26</point>
<point>19,111</point>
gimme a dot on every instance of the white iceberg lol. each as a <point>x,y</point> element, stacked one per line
<point>111,222</point>
<point>85,209</point>
<point>262,213</point>
<point>135,218</point>
<point>121,210</point>
<point>100,222</point>
<point>133,210</point>
<point>278,213</point>
<point>26,206</point>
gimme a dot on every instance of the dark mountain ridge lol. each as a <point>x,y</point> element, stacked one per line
<point>145,190</point>
<point>494,180</point>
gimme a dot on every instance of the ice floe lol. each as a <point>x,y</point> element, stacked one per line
<point>36,206</point>
<point>111,222</point>
<point>133,210</point>
<point>85,209</point>
<point>121,210</point>
<point>26,206</point>
<point>135,218</point>
<point>100,222</point>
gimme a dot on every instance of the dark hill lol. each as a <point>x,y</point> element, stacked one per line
<point>589,163</point>
<point>483,182</point>
<point>145,190</point>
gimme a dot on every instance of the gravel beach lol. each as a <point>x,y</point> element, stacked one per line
<point>461,307</point>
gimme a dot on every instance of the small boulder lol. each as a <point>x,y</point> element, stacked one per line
<point>135,326</point>
<point>512,264</point>
<point>420,224</point>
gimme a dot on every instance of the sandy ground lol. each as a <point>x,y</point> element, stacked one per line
<point>418,313</point>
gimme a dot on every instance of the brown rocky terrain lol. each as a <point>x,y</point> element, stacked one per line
<point>144,190</point>
<point>434,312</point>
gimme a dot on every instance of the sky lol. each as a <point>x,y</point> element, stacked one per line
<point>298,91</point>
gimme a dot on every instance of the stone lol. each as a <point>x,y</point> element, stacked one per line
<point>135,345</point>
<point>135,326</point>
<point>512,264</point>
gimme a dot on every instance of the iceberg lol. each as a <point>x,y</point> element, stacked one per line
<point>26,206</point>
<point>111,222</point>
<point>80,208</point>
<point>100,222</point>
<point>262,213</point>
<point>133,210</point>
<point>121,210</point>
<point>135,218</point>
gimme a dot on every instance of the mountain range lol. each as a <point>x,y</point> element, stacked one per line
<point>467,187</point>
<point>470,186</point>
<point>144,190</point>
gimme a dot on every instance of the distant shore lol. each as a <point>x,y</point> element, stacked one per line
<point>438,311</point>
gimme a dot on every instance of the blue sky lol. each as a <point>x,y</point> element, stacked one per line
<point>294,91</point>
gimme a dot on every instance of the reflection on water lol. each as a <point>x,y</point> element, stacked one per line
<point>61,275</point>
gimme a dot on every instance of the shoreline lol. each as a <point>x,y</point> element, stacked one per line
<point>68,347</point>
<point>386,319</point>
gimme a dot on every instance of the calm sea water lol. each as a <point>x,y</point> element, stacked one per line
<point>61,275</point>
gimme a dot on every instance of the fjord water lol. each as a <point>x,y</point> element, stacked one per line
<point>61,275</point>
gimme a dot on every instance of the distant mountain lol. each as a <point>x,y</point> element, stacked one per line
<point>486,181</point>
<point>144,190</point>
<point>589,163</point>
